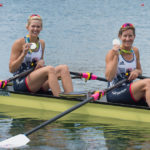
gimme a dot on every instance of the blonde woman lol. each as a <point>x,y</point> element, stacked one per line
<point>31,48</point>
<point>121,59</point>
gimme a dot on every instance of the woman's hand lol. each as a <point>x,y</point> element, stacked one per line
<point>133,75</point>
<point>116,46</point>
<point>40,64</point>
<point>116,49</point>
<point>26,48</point>
<point>112,60</point>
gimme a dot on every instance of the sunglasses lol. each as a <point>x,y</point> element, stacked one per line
<point>127,25</point>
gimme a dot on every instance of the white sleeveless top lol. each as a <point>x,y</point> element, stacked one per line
<point>35,55</point>
<point>123,67</point>
<point>28,59</point>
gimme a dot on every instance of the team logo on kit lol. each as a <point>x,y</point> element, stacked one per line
<point>121,63</point>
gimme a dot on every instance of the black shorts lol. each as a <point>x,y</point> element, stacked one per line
<point>123,95</point>
<point>20,84</point>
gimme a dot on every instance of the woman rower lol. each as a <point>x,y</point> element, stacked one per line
<point>119,61</point>
<point>30,49</point>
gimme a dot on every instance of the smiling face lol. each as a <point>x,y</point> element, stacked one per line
<point>34,28</point>
<point>127,37</point>
<point>34,25</point>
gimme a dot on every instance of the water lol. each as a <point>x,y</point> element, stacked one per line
<point>79,134</point>
<point>78,33</point>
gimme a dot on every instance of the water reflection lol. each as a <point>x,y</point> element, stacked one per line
<point>5,127</point>
<point>77,134</point>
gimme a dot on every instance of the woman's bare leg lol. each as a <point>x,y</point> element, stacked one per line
<point>37,78</point>
<point>140,89</point>
<point>63,72</point>
<point>45,86</point>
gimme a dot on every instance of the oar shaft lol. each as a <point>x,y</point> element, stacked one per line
<point>76,73</point>
<point>25,140</point>
<point>116,85</point>
<point>20,75</point>
<point>98,94</point>
<point>72,108</point>
<point>101,79</point>
<point>142,77</point>
<point>59,116</point>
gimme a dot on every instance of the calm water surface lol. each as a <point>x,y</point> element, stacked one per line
<point>77,134</point>
<point>78,33</point>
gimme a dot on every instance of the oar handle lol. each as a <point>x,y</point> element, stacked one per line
<point>59,116</point>
<point>86,76</point>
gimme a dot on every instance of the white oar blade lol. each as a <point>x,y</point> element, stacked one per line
<point>15,141</point>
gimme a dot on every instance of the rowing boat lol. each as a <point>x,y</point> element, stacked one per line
<point>45,102</point>
<point>64,105</point>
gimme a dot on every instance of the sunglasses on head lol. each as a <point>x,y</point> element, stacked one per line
<point>33,15</point>
<point>127,25</point>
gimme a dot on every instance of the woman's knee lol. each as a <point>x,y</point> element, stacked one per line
<point>50,69</point>
<point>62,69</point>
<point>147,83</point>
<point>65,67</point>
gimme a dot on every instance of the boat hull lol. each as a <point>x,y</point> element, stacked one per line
<point>57,105</point>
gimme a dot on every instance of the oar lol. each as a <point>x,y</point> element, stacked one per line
<point>20,75</point>
<point>142,77</point>
<point>22,139</point>
<point>88,76</point>
<point>4,82</point>
<point>91,76</point>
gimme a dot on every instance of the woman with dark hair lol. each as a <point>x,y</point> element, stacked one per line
<point>120,60</point>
